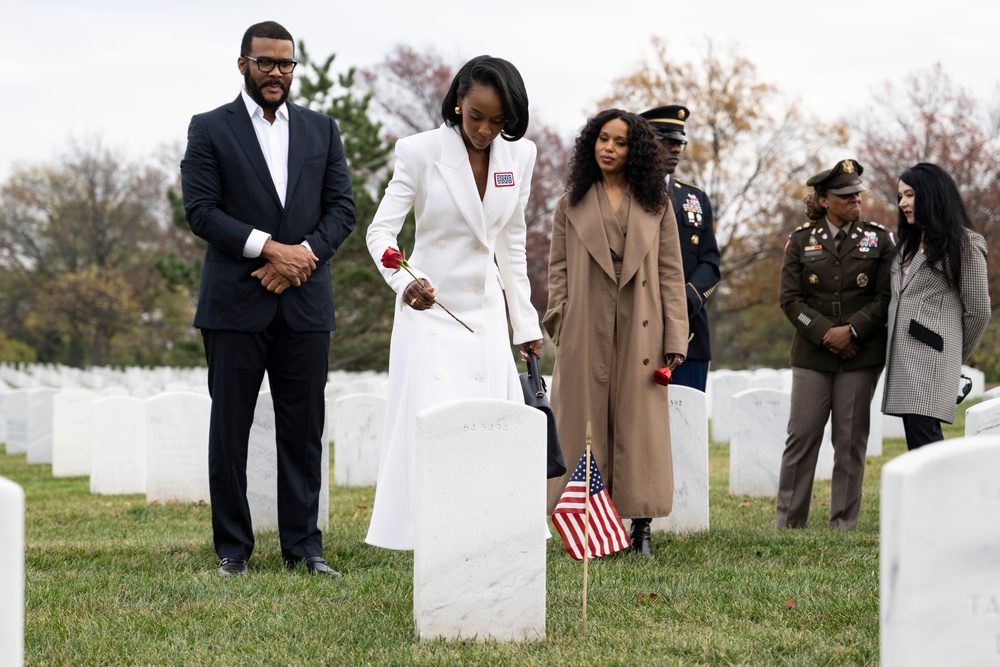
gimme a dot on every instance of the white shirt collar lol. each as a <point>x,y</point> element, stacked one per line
<point>255,109</point>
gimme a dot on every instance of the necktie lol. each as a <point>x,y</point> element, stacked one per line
<point>839,238</point>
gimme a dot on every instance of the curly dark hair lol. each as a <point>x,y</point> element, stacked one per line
<point>939,220</point>
<point>645,175</point>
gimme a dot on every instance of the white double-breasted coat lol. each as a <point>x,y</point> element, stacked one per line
<point>472,252</point>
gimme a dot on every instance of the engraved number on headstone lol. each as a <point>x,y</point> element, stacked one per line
<point>486,426</point>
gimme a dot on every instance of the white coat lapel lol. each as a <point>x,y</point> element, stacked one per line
<point>457,174</point>
<point>502,187</point>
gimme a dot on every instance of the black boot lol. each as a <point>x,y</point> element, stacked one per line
<point>640,537</point>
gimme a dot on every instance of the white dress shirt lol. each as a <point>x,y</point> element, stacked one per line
<point>273,140</point>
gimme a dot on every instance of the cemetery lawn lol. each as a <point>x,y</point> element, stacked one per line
<point>112,580</point>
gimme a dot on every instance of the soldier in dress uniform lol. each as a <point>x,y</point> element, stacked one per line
<point>835,290</point>
<point>699,250</point>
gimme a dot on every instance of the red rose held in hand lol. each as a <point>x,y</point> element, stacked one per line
<point>391,258</point>
<point>662,376</point>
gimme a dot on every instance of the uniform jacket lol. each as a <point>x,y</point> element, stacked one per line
<point>700,254</point>
<point>920,379</point>
<point>588,310</point>
<point>822,287</point>
<point>472,252</point>
<point>228,191</point>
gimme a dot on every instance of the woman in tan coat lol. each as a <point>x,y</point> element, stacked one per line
<point>617,314</point>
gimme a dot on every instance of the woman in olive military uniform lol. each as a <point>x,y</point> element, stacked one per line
<point>835,291</point>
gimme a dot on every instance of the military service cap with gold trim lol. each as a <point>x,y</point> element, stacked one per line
<point>668,121</point>
<point>843,179</point>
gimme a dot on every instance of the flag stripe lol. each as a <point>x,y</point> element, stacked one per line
<point>606,531</point>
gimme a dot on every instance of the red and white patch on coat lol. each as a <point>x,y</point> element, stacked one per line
<point>503,179</point>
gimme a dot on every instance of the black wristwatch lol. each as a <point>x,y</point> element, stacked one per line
<point>854,332</point>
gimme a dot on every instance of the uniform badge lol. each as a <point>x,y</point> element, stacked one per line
<point>694,240</point>
<point>847,166</point>
<point>868,242</point>
<point>812,240</point>
<point>787,243</point>
<point>692,204</point>
<point>813,279</point>
<point>503,179</point>
<point>824,237</point>
<point>862,280</point>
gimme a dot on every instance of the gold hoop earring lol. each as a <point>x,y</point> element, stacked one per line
<point>458,110</point>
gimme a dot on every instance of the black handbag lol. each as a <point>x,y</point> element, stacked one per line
<point>535,396</point>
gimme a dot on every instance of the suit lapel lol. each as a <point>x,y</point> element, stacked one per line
<point>589,225</point>
<point>642,228</point>
<point>457,174</point>
<point>242,126</point>
<point>915,264</point>
<point>500,200</point>
<point>296,146</point>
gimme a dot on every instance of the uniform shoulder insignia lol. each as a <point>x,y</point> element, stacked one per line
<point>690,185</point>
<point>803,226</point>
<point>875,224</point>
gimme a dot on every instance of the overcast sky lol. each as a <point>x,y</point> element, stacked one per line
<point>133,73</point>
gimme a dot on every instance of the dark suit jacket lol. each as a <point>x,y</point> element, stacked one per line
<point>700,254</point>
<point>228,191</point>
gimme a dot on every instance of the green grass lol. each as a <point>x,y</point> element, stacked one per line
<point>111,580</point>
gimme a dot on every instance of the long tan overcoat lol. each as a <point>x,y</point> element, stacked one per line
<point>601,326</point>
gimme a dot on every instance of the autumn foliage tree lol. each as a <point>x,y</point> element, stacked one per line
<point>928,118</point>
<point>77,239</point>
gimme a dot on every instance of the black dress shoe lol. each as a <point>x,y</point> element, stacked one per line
<point>316,565</point>
<point>640,537</point>
<point>229,567</point>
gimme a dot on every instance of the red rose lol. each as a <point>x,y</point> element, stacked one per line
<point>662,376</point>
<point>391,258</point>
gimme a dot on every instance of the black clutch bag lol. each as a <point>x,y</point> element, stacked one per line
<point>535,396</point>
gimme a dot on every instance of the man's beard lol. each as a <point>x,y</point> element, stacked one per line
<point>255,93</point>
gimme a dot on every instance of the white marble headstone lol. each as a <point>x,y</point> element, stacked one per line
<point>760,428</point>
<point>71,432</point>
<point>177,447</point>
<point>118,446</point>
<point>983,419</point>
<point>17,421</point>
<point>875,422</point>
<point>4,392</point>
<point>479,543</point>
<point>940,555</point>
<point>357,438</point>
<point>689,450</point>
<point>991,393</point>
<point>11,573</point>
<point>40,425</point>
<point>724,386</point>
<point>262,470</point>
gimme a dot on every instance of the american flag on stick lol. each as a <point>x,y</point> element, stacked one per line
<point>606,533</point>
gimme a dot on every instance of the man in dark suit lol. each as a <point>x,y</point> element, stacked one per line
<point>699,250</point>
<point>835,290</point>
<point>266,184</point>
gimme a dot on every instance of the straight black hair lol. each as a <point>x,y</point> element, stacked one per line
<point>504,78</point>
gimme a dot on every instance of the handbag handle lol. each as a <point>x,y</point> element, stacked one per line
<point>534,375</point>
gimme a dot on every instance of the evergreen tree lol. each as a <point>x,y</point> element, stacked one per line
<point>364,302</point>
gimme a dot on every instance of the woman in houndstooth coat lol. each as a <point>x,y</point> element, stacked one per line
<point>940,303</point>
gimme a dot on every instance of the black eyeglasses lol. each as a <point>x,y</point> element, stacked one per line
<point>265,65</point>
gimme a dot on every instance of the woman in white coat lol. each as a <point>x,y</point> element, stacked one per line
<point>940,303</point>
<point>469,193</point>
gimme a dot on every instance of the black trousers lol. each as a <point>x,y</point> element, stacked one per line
<point>921,430</point>
<point>296,365</point>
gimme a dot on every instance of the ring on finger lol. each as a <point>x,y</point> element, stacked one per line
<point>414,301</point>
